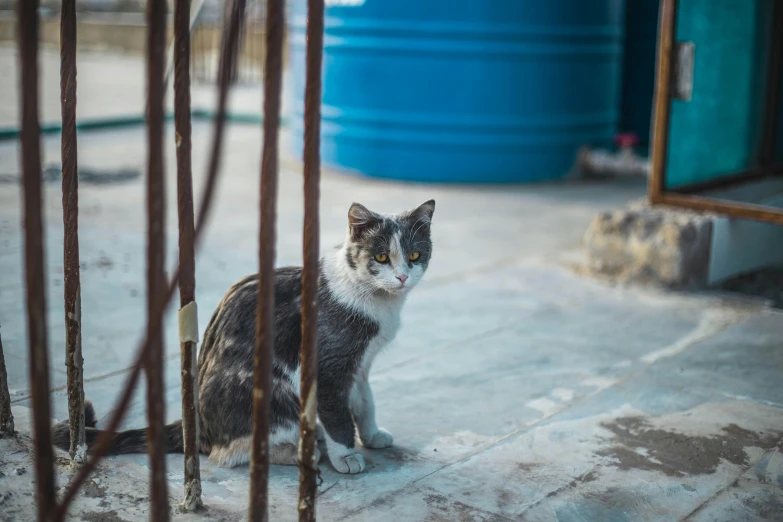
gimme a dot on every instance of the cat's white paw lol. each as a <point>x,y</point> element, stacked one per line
<point>352,463</point>
<point>379,440</point>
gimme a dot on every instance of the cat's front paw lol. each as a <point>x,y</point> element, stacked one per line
<point>352,463</point>
<point>379,440</point>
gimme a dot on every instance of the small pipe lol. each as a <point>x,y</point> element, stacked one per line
<point>624,162</point>
<point>99,124</point>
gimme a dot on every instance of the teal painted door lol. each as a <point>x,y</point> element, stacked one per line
<point>717,132</point>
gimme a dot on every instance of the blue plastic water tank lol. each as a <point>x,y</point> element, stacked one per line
<point>462,90</point>
<point>641,36</point>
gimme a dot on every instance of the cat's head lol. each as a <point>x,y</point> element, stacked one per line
<point>389,252</point>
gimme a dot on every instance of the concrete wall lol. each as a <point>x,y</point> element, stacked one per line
<point>126,32</point>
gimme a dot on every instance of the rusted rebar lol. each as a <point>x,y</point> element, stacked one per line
<point>74,362</point>
<point>194,10</point>
<point>156,258</point>
<point>6,417</point>
<point>233,67</point>
<point>188,317</point>
<point>308,467</point>
<point>27,32</point>
<point>235,74</point>
<point>265,318</point>
<point>103,443</point>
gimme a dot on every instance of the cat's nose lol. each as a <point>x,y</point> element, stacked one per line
<point>402,278</point>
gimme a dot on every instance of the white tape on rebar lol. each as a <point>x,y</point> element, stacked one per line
<point>187,317</point>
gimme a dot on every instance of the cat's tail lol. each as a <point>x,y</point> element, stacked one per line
<point>123,442</point>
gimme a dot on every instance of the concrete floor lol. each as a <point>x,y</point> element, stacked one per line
<point>516,389</point>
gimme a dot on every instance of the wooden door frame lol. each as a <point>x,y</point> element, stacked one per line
<point>693,197</point>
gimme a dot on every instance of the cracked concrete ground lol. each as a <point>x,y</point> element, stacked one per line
<point>516,389</point>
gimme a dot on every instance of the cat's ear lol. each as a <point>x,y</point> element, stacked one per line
<point>360,218</point>
<point>423,213</point>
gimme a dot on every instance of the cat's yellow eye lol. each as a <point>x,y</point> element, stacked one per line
<point>381,258</point>
<point>414,256</point>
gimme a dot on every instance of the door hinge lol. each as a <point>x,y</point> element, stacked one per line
<point>682,88</point>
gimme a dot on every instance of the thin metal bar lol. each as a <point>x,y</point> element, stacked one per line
<point>171,60</point>
<point>233,66</point>
<point>241,55</point>
<point>308,467</point>
<point>156,258</point>
<point>195,38</point>
<point>187,255</point>
<point>34,257</point>
<point>772,102</point>
<point>721,206</point>
<point>663,83</point>
<point>103,443</point>
<point>74,362</point>
<point>265,318</point>
<point>209,64</point>
<point>6,417</point>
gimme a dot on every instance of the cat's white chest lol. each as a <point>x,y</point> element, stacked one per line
<point>388,320</point>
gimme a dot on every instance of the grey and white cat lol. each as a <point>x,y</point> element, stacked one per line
<point>363,285</point>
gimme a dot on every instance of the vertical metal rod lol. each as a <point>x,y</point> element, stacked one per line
<point>74,361</point>
<point>253,53</point>
<point>308,467</point>
<point>153,330</point>
<point>156,251</point>
<point>195,38</point>
<point>667,23</point>
<point>265,318</point>
<point>239,64</point>
<point>6,417</point>
<point>233,66</point>
<point>171,60</point>
<point>187,255</point>
<point>209,70</point>
<point>27,11</point>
